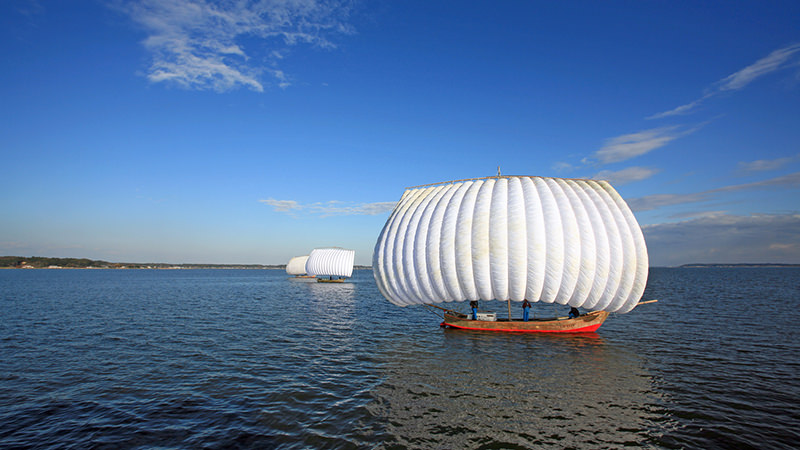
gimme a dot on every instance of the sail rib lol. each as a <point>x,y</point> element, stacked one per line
<point>432,250</point>
<point>588,256</point>
<point>554,243</point>
<point>447,244</point>
<point>572,243</point>
<point>481,238</point>
<point>419,257</point>
<point>463,237</point>
<point>536,242</point>
<point>638,259</point>
<point>615,245</point>
<point>498,240</point>
<point>380,270</point>
<point>599,216</point>
<point>629,256</point>
<point>517,241</point>
<point>401,289</point>
<point>622,253</point>
<point>410,238</point>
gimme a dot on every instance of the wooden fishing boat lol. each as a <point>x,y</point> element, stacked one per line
<point>560,241</point>
<point>330,265</point>
<point>586,323</point>
<point>330,280</point>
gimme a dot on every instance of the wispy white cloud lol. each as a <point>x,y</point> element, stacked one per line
<point>777,60</point>
<point>725,238</point>
<point>764,165</point>
<point>331,208</point>
<point>360,209</point>
<point>629,146</point>
<point>774,61</point>
<point>698,214</point>
<point>790,180</point>
<point>656,201</point>
<point>563,167</point>
<point>625,147</point>
<point>282,205</point>
<point>200,44</point>
<point>624,176</point>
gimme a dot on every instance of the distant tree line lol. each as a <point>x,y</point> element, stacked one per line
<point>39,262</point>
<point>724,265</point>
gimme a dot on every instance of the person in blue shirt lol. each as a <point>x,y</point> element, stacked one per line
<point>526,306</point>
<point>474,305</point>
<point>573,312</point>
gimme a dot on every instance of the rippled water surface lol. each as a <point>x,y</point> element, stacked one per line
<point>252,359</point>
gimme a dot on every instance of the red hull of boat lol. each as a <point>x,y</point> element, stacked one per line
<point>586,323</point>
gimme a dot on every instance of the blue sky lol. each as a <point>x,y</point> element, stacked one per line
<point>249,132</point>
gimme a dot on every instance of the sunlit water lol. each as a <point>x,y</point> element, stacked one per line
<point>252,359</point>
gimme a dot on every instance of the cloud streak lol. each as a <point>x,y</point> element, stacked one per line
<point>204,45</point>
<point>625,176</point>
<point>777,60</point>
<point>627,146</point>
<point>331,208</point>
<point>757,238</point>
<point>764,165</point>
<point>651,202</point>
<point>790,180</point>
<point>282,205</point>
<point>632,145</point>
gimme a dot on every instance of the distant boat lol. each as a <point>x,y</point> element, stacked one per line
<point>334,263</point>
<point>511,238</point>
<point>297,267</point>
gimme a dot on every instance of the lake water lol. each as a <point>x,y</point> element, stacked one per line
<point>252,359</point>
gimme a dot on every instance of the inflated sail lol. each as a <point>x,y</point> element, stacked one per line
<point>297,265</point>
<point>553,240</point>
<point>336,262</point>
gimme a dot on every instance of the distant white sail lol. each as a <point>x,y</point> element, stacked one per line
<point>297,265</point>
<point>336,262</point>
<point>572,242</point>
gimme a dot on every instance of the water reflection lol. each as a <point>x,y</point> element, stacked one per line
<point>302,280</point>
<point>495,390</point>
<point>332,292</point>
<point>314,379</point>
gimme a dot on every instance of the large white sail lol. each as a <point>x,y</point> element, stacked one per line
<point>336,262</point>
<point>297,265</point>
<point>572,242</point>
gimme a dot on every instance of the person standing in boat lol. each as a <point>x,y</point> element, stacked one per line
<point>474,305</point>
<point>573,312</point>
<point>526,306</point>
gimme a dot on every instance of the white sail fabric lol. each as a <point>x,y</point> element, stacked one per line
<point>336,262</point>
<point>572,242</point>
<point>297,265</point>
